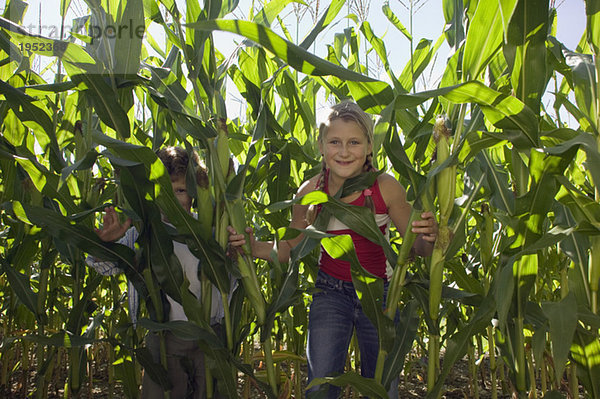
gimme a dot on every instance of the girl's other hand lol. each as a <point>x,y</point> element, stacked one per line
<point>427,227</point>
<point>236,241</point>
<point>112,229</point>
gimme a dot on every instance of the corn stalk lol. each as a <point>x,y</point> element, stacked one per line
<point>445,189</point>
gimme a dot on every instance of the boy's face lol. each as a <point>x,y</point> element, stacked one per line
<point>180,190</point>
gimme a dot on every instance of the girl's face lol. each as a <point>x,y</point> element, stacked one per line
<point>345,148</point>
<point>180,190</point>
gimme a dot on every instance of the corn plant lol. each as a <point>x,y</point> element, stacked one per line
<point>515,269</point>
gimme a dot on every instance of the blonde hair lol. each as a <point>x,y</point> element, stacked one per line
<point>348,111</point>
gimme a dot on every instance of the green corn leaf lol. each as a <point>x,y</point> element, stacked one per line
<point>64,6</point>
<point>549,239</point>
<point>525,51</point>
<point>389,14</point>
<point>419,61</point>
<point>287,295</point>
<point>278,184</point>
<point>497,179</point>
<point>485,35</point>
<point>16,10</point>
<point>36,116</point>
<point>84,163</point>
<point>584,208</point>
<point>563,322</point>
<point>20,285</point>
<point>585,351</point>
<point>369,288</point>
<point>406,332</point>
<point>585,122</point>
<point>453,14</point>
<point>76,58</point>
<point>326,19</point>
<point>203,247</point>
<point>477,141</point>
<point>155,370</point>
<point>372,97</point>
<point>128,44</point>
<point>592,11</point>
<point>106,103</point>
<point>165,265</point>
<point>366,386</point>
<point>582,71</point>
<point>61,340</point>
<point>457,343</point>
<point>361,220</point>
<point>46,182</point>
<point>294,55</point>
<point>79,314</point>
<point>379,47</point>
<point>505,281</point>
<point>68,231</point>
<point>504,111</point>
<point>267,14</point>
<point>227,7</point>
<point>584,141</point>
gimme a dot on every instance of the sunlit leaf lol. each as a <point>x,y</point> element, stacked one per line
<point>294,55</point>
<point>563,321</point>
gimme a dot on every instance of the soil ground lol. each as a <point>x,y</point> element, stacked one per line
<point>412,385</point>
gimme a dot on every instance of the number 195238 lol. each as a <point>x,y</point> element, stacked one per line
<point>39,46</point>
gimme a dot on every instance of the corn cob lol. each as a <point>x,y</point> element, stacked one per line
<point>222,147</point>
<point>445,180</point>
<point>445,187</point>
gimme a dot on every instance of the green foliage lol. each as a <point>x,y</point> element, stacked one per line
<point>522,228</point>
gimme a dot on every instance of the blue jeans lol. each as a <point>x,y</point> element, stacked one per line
<point>334,314</point>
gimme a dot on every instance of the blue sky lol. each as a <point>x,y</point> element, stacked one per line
<point>43,16</point>
<point>427,21</point>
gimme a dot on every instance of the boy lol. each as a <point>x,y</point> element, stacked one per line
<point>187,381</point>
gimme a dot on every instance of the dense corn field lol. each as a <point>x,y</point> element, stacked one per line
<point>511,287</point>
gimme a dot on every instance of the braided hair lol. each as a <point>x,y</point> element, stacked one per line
<point>348,111</point>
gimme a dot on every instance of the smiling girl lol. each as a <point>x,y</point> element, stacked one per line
<point>346,144</point>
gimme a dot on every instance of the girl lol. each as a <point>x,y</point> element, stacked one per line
<point>346,144</point>
<point>185,359</point>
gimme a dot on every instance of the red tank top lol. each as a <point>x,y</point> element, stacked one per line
<point>370,255</point>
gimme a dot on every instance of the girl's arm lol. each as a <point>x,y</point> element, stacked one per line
<point>112,229</point>
<point>263,249</point>
<point>399,210</point>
